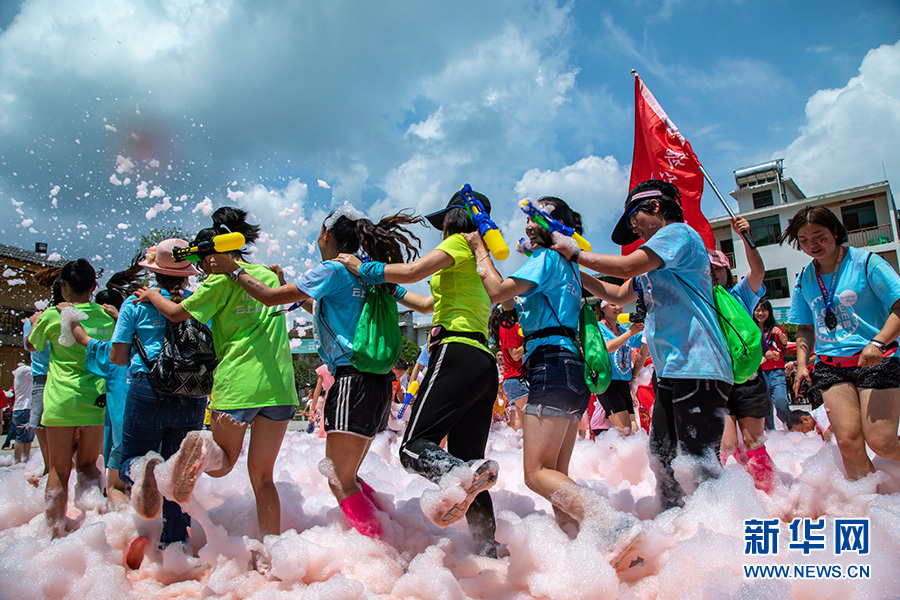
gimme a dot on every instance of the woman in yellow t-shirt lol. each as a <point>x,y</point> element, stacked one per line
<point>457,395</point>
<point>73,399</point>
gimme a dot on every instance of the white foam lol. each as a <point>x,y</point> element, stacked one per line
<point>695,551</point>
<point>68,317</point>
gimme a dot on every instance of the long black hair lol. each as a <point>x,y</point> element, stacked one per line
<point>501,318</point>
<point>769,323</point>
<point>122,284</point>
<point>79,275</point>
<point>388,241</point>
<point>229,220</point>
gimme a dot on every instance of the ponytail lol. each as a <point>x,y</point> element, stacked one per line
<point>229,220</point>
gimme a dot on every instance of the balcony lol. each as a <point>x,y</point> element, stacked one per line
<point>870,237</point>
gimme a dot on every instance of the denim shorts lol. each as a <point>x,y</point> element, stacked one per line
<point>515,388</point>
<point>24,433</point>
<point>37,401</point>
<point>281,412</point>
<point>556,386</point>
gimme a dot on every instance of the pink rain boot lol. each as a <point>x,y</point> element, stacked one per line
<point>362,515</point>
<point>761,468</point>
<point>740,456</point>
<point>370,494</point>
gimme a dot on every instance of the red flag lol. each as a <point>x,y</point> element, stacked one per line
<point>661,152</point>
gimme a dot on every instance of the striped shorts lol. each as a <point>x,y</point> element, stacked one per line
<point>358,403</point>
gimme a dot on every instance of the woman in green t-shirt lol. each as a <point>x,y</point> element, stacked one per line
<point>457,396</point>
<point>254,381</point>
<point>73,398</point>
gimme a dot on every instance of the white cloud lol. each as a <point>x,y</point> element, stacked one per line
<point>850,132</point>
<point>593,186</point>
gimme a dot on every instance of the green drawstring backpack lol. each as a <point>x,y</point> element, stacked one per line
<point>742,335</point>
<point>378,341</point>
<point>597,368</point>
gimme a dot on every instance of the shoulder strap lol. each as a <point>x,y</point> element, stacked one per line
<point>142,352</point>
<point>722,318</point>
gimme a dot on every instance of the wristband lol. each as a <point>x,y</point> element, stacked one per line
<point>575,256</point>
<point>880,345</point>
<point>399,292</point>
<point>372,273</point>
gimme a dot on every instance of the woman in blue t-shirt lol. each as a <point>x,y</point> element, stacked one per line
<point>357,404</point>
<point>670,271</point>
<point>616,400</point>
<point>550,287</point>
<point>847,302</point>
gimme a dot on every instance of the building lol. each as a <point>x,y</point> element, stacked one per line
<point>768,200</point>
<point>18,293</point>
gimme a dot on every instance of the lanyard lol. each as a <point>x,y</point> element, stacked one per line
<point>830,318</point>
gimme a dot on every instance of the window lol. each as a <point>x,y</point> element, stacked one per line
<point>762,199</point>
<point>727,246</point>
<point>776,283</point>
<point>859,216</point>
<point>765,231</point>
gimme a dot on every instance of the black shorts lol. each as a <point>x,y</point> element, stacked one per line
<point>885,375</point>
<point>358,403</point>
<point>750,399</point>
<point>617,398</point>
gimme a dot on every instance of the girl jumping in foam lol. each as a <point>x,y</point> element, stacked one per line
<point>457,396</point>
<point>557,393</point>
<point>358,404</point>
<point>254,381</point>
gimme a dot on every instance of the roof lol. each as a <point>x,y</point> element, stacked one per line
<point>28,256</point>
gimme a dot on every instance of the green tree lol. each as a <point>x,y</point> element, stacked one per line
<point>155,236</point>
<point>410,351</point>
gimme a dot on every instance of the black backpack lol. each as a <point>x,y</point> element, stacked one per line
<point>185,364</point>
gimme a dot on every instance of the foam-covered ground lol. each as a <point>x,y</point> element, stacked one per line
<point>694,552</point>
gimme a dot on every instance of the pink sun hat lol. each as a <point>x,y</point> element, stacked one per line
<point>159,259</point>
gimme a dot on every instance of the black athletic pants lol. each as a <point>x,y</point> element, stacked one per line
<point>455,400</point>
<point>688,417</point>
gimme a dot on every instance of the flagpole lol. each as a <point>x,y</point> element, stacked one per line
<point>671,124</point>
<point>745,234</point>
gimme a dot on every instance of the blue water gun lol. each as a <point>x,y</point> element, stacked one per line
<point>544,219</point>
<point>410,394</point>
<point>488,230</point>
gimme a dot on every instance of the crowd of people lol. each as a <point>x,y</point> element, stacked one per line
<point>94,360</point>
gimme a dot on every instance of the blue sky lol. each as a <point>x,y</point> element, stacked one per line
<point>289,109</point>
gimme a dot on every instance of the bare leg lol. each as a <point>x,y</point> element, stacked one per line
<point>265,442</point>
<point>346,453</point>
<point>880,412</point>
<point>729,438</point>
<point>845,414</point>
<point>56,494</point>
<point>622,422</point>
<point>21,451</point>
<point>44,447</point>
<point>115,490</point>
<point>548,443</point>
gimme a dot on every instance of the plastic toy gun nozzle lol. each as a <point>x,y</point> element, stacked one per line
<point>225,242</point>
<point>544,219</point>
<point>410,394</point>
